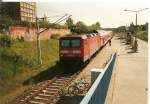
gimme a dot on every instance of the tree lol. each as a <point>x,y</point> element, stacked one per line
<point>95,26</point>
<point>81,25</point>
<point>69,23</point>
<point>56,26</point>
<point>132,27</point>
<point>5,40</point>
<point>146,26</point>
<point>143,27</point>
<point>98,26</point>
<point>5,21</point>
<point>121,29</point>
<point>43,24</point>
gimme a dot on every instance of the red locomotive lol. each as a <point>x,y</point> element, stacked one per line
<point>77,49</point>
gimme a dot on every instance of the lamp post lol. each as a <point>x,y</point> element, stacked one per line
<point>136,11</point>
<point>134,45</point>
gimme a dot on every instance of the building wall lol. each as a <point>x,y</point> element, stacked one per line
<point>28,11</point>
<point>21,11</point>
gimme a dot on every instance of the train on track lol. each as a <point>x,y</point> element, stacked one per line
<point>78,49</point>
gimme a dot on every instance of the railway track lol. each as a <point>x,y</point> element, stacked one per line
<point>46,92</point>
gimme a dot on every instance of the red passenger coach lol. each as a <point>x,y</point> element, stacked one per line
<point>77,49</point>
<point>105,36</point>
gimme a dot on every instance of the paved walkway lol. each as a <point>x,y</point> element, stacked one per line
<point>130,76</point>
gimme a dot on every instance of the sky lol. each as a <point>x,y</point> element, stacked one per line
<point>109,13</point>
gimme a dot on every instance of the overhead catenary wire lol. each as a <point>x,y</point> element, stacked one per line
<point>64,18</point>
<point>58,21</point>
<point>60,18</point>
<point>54,16</point>
<point>57,13</point>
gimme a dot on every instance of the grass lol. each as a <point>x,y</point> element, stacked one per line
<point>13,74</point>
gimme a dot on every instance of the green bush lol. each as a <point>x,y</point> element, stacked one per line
<point>13,62</point>
<point>10,55</point>
<point>20,39</point>
<point>5,74</point>
<point>55,36</point>
<point>143,35</point>
<point>5,40</point>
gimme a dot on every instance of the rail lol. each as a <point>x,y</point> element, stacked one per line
<point>97,93</point>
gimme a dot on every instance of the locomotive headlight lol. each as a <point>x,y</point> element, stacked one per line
<point>77,51</point>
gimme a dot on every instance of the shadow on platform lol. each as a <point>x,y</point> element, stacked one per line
<point>131,52</point>
<point>128,47</point>
<point>119,38</point>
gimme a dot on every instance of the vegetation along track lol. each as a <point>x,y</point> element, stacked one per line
<point>46,92</point>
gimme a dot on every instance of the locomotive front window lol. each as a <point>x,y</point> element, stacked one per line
<point>65,43</point>
<point>70,43</point>
<point>75,43</point>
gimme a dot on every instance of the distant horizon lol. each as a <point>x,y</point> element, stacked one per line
<point>108,14</point>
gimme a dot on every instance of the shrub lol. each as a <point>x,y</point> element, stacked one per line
<point>15,61</point>
<point>20,39</point>
<point>143,35</point>
<point>55,36</point>
<point>5,40</point>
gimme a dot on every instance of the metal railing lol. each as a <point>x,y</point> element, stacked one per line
<point>97,93</point>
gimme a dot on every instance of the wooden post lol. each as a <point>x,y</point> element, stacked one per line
<point>38,43</point>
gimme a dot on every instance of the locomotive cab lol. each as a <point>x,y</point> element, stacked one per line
<point>70,50</point>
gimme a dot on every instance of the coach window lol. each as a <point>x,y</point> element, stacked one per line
<point>75,43</point>
<point>65,43</point>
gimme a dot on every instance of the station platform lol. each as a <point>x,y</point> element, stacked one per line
<point>129,80</point>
